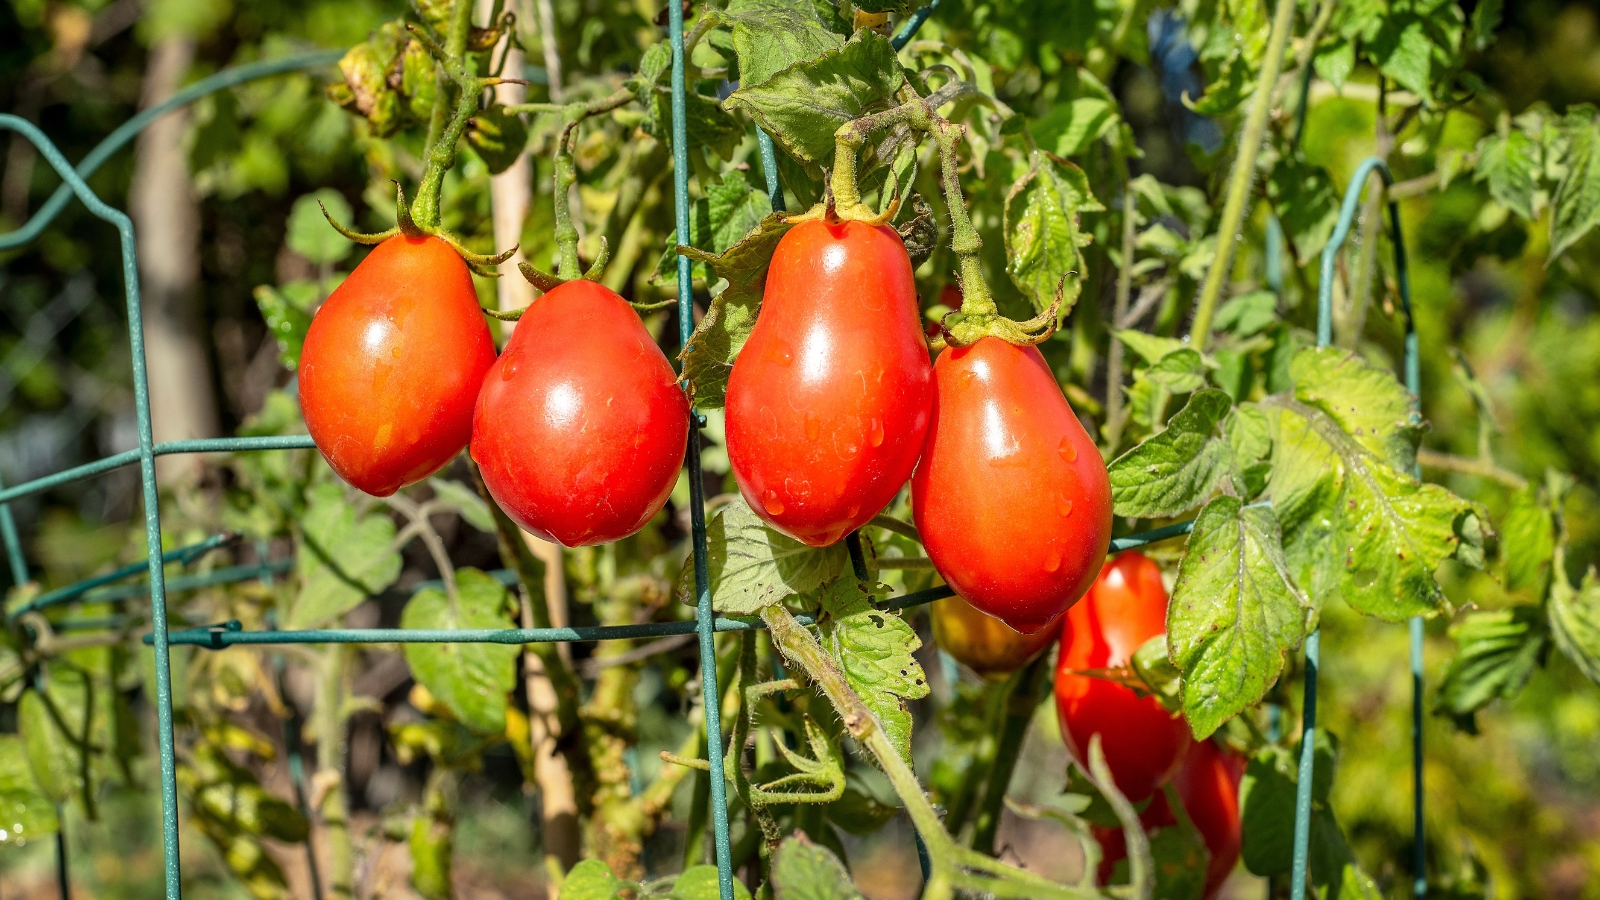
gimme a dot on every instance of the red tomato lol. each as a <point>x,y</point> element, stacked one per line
<point>1208,785</point>
<point>581,427</point>
<point>392,364</point>
<point>1011,496</point>
<point>1142,742</point>
<point>828,400</point>
<point>981,642</point>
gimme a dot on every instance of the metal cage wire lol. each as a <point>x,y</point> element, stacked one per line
<point>705,624</point>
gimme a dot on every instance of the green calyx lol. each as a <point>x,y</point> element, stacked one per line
<point>406,224</point>
<point>963,327</point>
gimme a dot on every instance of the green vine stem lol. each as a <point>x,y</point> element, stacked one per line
<point>1244,170</point>
<point>954,867</point>
<point>334,807</point>
<point>443,137</point>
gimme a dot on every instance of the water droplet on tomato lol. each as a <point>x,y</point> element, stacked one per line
<point>395,352</point>
<point>1052,562</point>
<point>1064,506</point>
<point>852,511</point>
<point>1068,450</point>
<point>779,353</point>
<point>875,433</point>
<point>773,505</point>
<point>813,427</point>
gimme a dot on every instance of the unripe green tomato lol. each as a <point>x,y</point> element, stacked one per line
<point>983,643</point>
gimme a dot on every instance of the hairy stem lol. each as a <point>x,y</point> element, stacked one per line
<point>1244,170</point>
<point>1483,468</point>
<point>441,153</point>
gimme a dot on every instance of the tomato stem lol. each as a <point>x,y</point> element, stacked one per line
<point>441,152</point>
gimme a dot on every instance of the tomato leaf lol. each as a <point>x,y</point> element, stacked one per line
<point>591,879</point>
<point>1072,127</point>
<point>1304,198</point>
<point>708,356</point>
<point>1510,164</point>
<point>700,883</point>
<point>287,310</point>
<point>1179,855</point>
<point>1174,471</point>
<point>803,105</point>
<point>1235,612</point>
<point>1575,620</point>
<point>1224,94</point>
<point>344,557</point>
<point>1151,348</point>
<point>1527,542</point>
<point>772,35</point>
<point>232,798</point>
<point>309,233</point>
<point>465,501</point>
<point>26,811</point>
<point>1577,198</point>
<point>873,648</point>
<point>1247,314</point>
<point>470,679</point>
<point>498,136</point>
<point>1356,523</point>
<point>1043,242</point>
<point>1266,807</point>
<point>1498,651</point>
<point>730,210</point>
<point>754,566</point>
<point>802,870</point>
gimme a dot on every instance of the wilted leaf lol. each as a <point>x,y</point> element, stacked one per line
<point>1043,243</point>
<point>1497,651</point>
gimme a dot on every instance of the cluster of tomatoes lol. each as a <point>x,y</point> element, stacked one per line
<point>1146,747</point>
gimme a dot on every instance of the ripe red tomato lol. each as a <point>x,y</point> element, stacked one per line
<point>983,643</point>
<point>392,364</point>
<point>1011,495</point>
<point>1208,785</point>
<point>1143,743</point>
<point>581,428</point>
<point>828,401</point>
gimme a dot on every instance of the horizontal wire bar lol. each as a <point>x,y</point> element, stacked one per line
<point>183,555</point>
<point>130,457</point>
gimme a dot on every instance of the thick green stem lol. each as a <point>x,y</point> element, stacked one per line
<point>335,808</point>
<point>1244,170</point>
<point>566,230</point>
<point>976,302</point>
<point>440,155</point>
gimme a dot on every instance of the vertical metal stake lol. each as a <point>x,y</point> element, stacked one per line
<point>697,507</point>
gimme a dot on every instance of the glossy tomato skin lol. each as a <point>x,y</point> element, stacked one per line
<point>1143,743</point>
<point>392,363</point>
<point>828,401</point>
<point>983,643</point>
<point>1208,784</point>
<point>581,427</point>
<point>1011,495</point>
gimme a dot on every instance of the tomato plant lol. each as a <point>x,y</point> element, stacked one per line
<point>392,363</point>
<point>1144,742</point>
<point>983,643</point>
<point>828,401</point>
<point>580,427</point>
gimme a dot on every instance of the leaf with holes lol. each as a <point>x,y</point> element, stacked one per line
<point>1177,469</point>
<point>344,557</point>
<point>1235,612</point>
<point>471,680</point>
<point>873,648</point>
<point>1043,241</point>
<point>708,356</point>
<point>754,566</point>
<point>1497,652</point>
<point>1356,523</point>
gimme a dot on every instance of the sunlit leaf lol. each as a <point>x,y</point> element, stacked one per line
<point>472,680</point>
<point>754,566</point>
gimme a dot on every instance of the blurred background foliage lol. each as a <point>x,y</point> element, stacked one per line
<point>1522,795</point>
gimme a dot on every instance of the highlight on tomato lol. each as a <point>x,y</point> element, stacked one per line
<point>828,401</point>
<point>1011,495</point>
<point>392,364</point>
<point>983,643</point>
<point>1207,783</point>
<point>1143,742</point>
<point>580,429</point>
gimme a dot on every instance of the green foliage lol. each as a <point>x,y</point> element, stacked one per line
<point>26,811</point>
<point>708,356</point>
<point>802,870</point>
<point>1043,242</point>
<point>347,556</point>
<point>1499,650</point>
<point>470,679</point>
<point>754,566</point>
<point>874,651</point>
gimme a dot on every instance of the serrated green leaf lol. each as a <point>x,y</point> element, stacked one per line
<point>1249,439</point>
<point>1527,542</point>
<point>1334,61</point>
<point>1043,243</point>
<point>708,356</point>
<point>1575,620</point>
<point>470,679</point>
<point>1497,653</point>
<point>1356,523</point>
<point>498,136</point>
<point>465,501</point>
<point>1180,372</point>
<point>1266,806</point>
<point>730,210</point>
<point>802,870</point>
<point>1247,314</point>
<point>873,648</point>
<point>1307,205</point>
<point>287,311</point>
<point>1177,469</point>
<point>700,883</point>
<point>1511,165</point>
<point>754,566</point>
<point>591,879</point>
<point>1577,198</point>
<point>1074,126</point>
<point>309,233</point>
<point>803,105</point>
<point>1403,52</point>
<point>344,558</point>
<point>26,811</point>
<point>772,35</point>
<point>1150,347</point>
<point>1179,856</point>
<point>1235,612</point>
